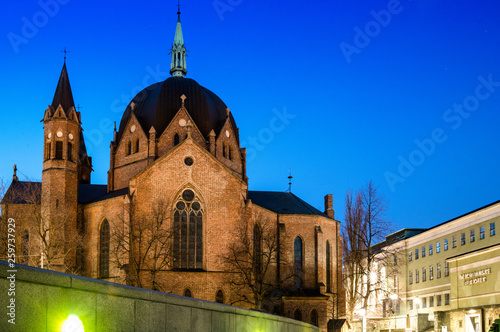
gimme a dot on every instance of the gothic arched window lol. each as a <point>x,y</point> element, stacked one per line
<point>25,244</point>
<point>297,261</point>
<point>104,250</point>
<point>176,139</point>
<point>70,152</point>
<point>257,249</point>
<point>188,231</point>
<point>129,148</point>
<point>59,150</point>
<point>187,293</point>
<point>314,317</point>
<point>136,145</point>
<point>328,268</point>
<point>219,298</point>
<point>297,314</point>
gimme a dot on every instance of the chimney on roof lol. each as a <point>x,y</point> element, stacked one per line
<point>329,211</point>
<point>14,177</point>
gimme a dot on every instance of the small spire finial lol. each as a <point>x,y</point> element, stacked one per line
<point>65,53</point>
<point>183,98</point>
<point>290,177</point>
<point>14,177</point>
<point>179,9</point>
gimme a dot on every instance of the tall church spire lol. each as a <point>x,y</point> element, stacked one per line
<point>63,95</point>
<point>178,64</point>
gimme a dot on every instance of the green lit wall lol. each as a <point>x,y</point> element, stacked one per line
<point>45,299</point>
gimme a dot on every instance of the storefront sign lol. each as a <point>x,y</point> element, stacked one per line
<point>475,277</point>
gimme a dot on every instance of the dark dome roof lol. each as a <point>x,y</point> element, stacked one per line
<point>157,105</point>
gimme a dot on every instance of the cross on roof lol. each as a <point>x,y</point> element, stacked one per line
<point>183,97</point>
<point>65,52</point>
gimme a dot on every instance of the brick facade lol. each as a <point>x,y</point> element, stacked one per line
<point>152,170</point>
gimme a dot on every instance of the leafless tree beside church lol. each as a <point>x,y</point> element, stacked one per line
<point>142,246</point>
<point>369,262</point>
<point>253,259</point>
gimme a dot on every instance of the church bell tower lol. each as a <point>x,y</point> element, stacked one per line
<point>65,166</point>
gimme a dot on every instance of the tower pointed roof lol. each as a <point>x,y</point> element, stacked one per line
<point>179,38</point>
<point>178,64</point>
<point>63,94</point>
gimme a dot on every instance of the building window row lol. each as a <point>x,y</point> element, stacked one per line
<point>472,238</point>
<point>431,301</point>
<point>431,273</point>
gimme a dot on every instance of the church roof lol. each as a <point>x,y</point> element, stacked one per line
<point>157,105</point>
<point>282,202</point>
<point>63,95</point>
<point>89,193</point>
<point>23,192</point>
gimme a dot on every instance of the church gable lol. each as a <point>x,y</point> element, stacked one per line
<point>177,131</point>
<point>227,146</point>
<point>221,193</point>
<point>133,145</point>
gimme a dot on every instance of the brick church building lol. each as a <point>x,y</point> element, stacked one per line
<point>176,214</point>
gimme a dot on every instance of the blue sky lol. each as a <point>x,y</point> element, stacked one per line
<point>401,92</point>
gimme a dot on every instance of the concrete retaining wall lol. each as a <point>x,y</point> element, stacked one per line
<point>44,300</point>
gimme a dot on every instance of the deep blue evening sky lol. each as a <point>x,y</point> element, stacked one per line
<point>404,93</point>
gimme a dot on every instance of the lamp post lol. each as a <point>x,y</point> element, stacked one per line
<point>417,302</point>
<point>362,312</point>
<point>394,298</point>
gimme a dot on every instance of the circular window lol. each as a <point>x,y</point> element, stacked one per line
<point>188,161</point>
<point>188,195</point>
<point>180,205</point>
<point>196,206</point>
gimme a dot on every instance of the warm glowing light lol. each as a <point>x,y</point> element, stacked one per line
<point>72,324</point>
<point>472,311</point>
<point>394,296</point>
<point>417,300</point>
<point>361,312</point>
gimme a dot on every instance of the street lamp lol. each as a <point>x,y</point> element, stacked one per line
<point>394,298</point>
<point>362,312</point>
<point>417,302</point>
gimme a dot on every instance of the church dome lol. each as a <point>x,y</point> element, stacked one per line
<point>157,105</point>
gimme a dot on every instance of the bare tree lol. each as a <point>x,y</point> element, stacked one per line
<point>366,253</point>
<point>39,242</point>
<point>253,258</point>
<point>142,247</point>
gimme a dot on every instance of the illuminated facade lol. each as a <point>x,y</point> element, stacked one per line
<point>447,278</point>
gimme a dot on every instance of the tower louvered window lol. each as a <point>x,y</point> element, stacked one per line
<point>188,231</point>
<point>70,152</point>
<point>59,150</point>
